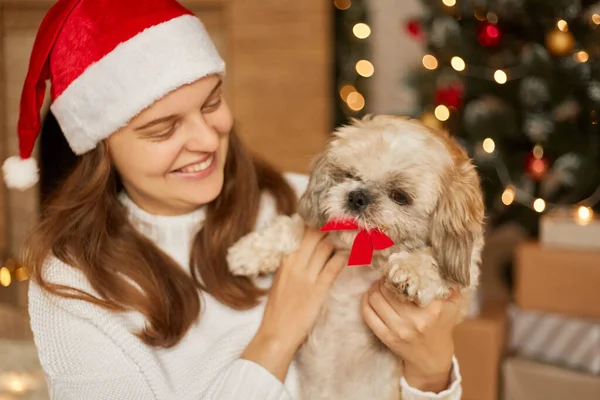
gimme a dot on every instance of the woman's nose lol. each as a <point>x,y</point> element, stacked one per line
<point>201,136</point>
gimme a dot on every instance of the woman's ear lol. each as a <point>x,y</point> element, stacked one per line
<point>457,222</point>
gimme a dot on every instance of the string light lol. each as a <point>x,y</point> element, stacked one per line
<point>458,63</point>
<point>430,62</point>
<point>365,68</point>
<point>342,4</point>
<point>479,16</point>
<point>538,167</point>
<point>584,215</point>
<point>5,277</point>
<point>493,18</point>
<point>511,194</point>
<point>442,112</point>
<point>355,101</point>
<point>449,3</point>
<point>355,38</point>
<point>581,56</point>
<point>429,119</point>
<point>488,145</point>
<point>481,72</point>
<point>17,386</point>
<point>562,25</point>
<point>361,30</point>
<point>524,198</point>
<point>21,274</point>
<point>18,383</point>
<point>500,76</point>
<point>539,205</point>
<point>508,196</point>
<point>346,90</point>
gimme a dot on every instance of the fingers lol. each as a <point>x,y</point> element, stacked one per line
<point>422,318</point>
<point>374,322</point>
<point>309,242</point>
<point>383,308</point>
<point>402,329</point>
<point>397,302</point>
<point>318,259</point>
<point>332,269</point>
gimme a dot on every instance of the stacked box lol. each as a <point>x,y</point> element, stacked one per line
<point>554,324</point>
<point>480,344</point>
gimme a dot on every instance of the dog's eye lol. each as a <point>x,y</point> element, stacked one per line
<point>350,175</point>
<point>399,197</point>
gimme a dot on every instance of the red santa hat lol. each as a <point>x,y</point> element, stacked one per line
<point>107,60</point>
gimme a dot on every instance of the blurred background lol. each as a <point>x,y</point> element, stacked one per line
<point>517,82</point>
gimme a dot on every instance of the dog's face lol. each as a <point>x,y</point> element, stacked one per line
<point>415,184</point>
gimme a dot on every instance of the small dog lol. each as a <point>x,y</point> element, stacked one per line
<point>412,194</point>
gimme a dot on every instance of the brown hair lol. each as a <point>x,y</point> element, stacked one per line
<point>86,227</point>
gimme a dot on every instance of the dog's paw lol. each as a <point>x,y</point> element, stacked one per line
<point>416,276</point>
<point>261,251</point>
<point>241,258</point>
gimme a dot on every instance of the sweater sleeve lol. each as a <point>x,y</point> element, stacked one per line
<point>86,355</point>
<point>247,380</point>
<point>453,392</point>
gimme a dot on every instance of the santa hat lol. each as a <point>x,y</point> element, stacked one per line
<point>107,60</point>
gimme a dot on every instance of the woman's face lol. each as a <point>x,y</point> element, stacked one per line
<point>171,157</point>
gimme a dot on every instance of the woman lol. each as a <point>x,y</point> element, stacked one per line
<point>130,295</point>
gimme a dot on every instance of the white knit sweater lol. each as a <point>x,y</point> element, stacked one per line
<point>88,353</point>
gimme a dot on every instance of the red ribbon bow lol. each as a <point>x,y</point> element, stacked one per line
<point>366,241</point>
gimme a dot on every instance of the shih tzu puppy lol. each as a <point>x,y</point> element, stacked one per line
<point>405,202</point>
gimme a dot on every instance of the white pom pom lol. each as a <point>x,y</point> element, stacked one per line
<point>20,174</point>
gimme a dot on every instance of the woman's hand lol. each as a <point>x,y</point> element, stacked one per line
<point>422,337</point>
<point>299,289</point>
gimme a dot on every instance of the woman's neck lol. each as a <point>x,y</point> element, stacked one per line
<point>159,208</point>
<point>171,233</point>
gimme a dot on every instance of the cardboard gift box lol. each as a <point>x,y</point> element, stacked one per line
<point>558,281</point>
<point>479,346</point>
<point>555,339</point>
<point>574,228</point>
<point>528,380</point>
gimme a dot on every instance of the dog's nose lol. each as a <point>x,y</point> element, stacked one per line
<point>358,200</point>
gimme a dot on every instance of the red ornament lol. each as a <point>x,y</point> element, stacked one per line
<point>365,242</point>
<point>414,28</point>
<point>536,167</point>
<point>451,95</point>
<point>488,34</point>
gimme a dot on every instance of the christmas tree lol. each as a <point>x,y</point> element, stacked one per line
<point>517,82</point>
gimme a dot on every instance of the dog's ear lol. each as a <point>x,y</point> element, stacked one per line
<point>321,178</point>
<point>457,222</point>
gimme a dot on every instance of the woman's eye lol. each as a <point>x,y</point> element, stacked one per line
<point>160,136</point>
<point>399,197</point>
<point>212,106</point>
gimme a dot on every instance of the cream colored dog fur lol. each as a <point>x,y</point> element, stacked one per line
<point>421,187</point>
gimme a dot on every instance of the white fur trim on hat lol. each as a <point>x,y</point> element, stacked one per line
<point>19,173</point>
<point>133,76</point>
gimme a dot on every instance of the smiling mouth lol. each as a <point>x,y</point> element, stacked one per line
<point>197,167</point>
